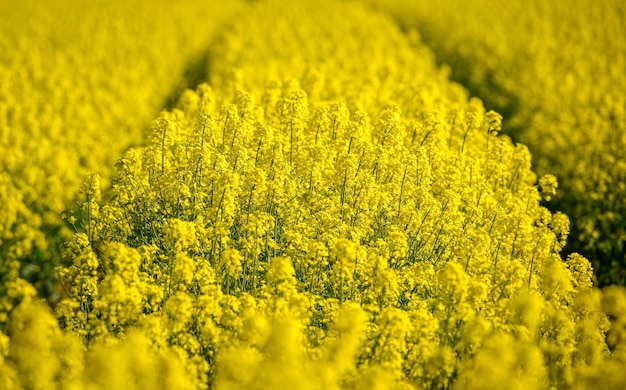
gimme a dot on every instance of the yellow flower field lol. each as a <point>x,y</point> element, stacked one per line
<point>281,195</point>
<point>556,71</point>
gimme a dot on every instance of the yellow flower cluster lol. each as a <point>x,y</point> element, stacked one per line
<point>265,213</point>
<point>41,356</point>
<point>78,85</point>
<point>327,211</point>
<point>556,70</point>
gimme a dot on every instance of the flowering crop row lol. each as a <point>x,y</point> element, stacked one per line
<point>328,211</point>
<point>79,84</point>
<point>556,70</point>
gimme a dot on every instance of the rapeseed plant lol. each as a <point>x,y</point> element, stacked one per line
<point>556,71</point>
<point>308,201</point>
<point>79,83</point>
<point>329,211</point>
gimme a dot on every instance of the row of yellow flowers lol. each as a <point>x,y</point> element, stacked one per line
<point>79,83</point>
<point>556,71</point>
<point>328,211</point>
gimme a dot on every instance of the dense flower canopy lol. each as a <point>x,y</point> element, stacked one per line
<point>557,72</point>
<point>323,208</point>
